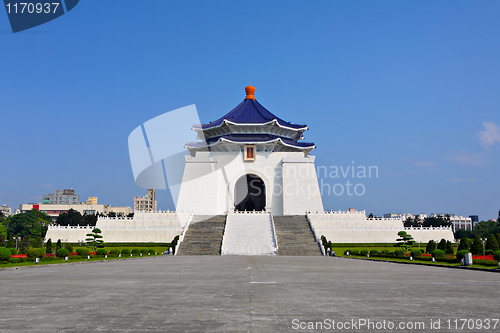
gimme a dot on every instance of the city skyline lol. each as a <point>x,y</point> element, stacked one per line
<point>410,89</point>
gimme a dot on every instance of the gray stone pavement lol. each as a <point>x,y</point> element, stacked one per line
<point>240,294</point>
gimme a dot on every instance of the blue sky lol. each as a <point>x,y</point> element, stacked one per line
<point>411,87</point>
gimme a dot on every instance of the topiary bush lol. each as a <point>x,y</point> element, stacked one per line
<point>496,255</point>
<point>461,254</point>
<point>384,252</point>
<point>4,254</point>
<point>69,247</point>
<point>374,253</point>
<point>144,251</point>
<point>489,252</point>
<point>400,253</point>
<point>363,252</point>
<point>355,253</point>
<point>17,260</point>
<point>346,251</point>
<point>152,251</point>
<point>83,251</point>
<point>438,254</point>
<point>416,253</point>
<point>126,251</point>
<point>136,251</point>
<point>62,252</point>
<point>13,251</point>
<point>34,253</point>
<point>485,262</point>
<point>101,252</point>
<point>115,252</point>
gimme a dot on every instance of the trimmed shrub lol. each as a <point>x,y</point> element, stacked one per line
<point>152,251</point>
<point>416,253</point>
<point>48,258</point>
<point>126,251</point>
<point>115,252</point>
<point>496,255</point>
<point>17,260</point>
<point>136,251</point>
<point>144,251</point>
<point>363,252</point>
<point>461,254</point>
<point>400,253</point>
<point>34,253</point>
<point>101,252</point>
<point>438,254</point>
<point>13,251</point>
<point>355,253</point>
<point>4,254</point>
<point>374,253</point>
<point>83,251</point>
<point>62,252</point>
<point>485,262</point>
<point>489,252</point>
<point>345,252</point>
<point>68,247</point>
<point>384,252</point>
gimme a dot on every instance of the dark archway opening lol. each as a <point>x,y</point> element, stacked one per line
<point>249,193</point>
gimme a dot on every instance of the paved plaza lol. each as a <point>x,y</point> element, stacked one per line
<point>239,294</point>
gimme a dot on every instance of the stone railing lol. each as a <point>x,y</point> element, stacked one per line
<point>183,233</point>
<point>56,226</point>
<point>318,238</point>
<point>428,228</point>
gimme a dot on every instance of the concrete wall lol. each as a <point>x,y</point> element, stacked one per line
<point>144,227</point>
<point>354,227</point>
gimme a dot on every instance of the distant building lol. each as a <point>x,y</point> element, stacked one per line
<point>6,211</point>
<point>91,201</point>
<point>53,210</point>
<point>474,219</point>
<point>146,203</point>
<point>62,197</point>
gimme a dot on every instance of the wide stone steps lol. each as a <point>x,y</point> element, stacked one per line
<point>295,237</point>
<point>204,236</point>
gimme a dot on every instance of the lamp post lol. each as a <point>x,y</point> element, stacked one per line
<point>17,239</point>
<point>484,241</point>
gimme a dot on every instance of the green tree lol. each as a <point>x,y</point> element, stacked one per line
<point>442,245</point>
<point>436,222</point>
<point>48,246</point>
<point>498,237</point>
<point>449,248</point>
<point>431,246</point>
<point>477,246</point>
<point>491,243</point>
<point>58,245</point>
<point>484,228</point>
<point>38,242</point>
<point>2,240</point>
<point>25,244</point>
<point>405,241</point>
<point>464,244</point>
<point>89,219</point>
<point>3,232</point>
<point>94,239</point>
<point>72,218</point>
<point>32,224</point>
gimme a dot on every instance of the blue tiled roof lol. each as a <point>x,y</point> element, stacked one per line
<point>250,138</point>
<point>250,112</point>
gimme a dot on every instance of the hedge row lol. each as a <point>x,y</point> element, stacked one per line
<point>362,244</point>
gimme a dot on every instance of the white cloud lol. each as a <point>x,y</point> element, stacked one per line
<point>490,135</point>
<point>470,159</point>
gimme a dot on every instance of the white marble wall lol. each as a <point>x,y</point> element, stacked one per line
<point>354,227</point>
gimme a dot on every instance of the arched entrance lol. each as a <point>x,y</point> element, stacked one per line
<point>249,193</point>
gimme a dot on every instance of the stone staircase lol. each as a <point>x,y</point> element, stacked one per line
<point>295,237</point>
<point>204,236</point>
